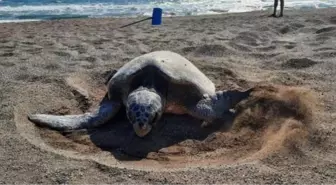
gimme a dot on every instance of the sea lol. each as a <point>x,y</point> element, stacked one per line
<point>36,10</point>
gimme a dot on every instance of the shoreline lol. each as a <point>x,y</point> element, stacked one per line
<point>219,13</point>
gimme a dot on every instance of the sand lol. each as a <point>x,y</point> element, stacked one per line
<point>284,133</point>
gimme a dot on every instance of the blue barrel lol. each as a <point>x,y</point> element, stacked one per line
<point>157,16</point>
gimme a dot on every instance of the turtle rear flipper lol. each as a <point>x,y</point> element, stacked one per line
<point>106,110</point>
<point>218,106</point>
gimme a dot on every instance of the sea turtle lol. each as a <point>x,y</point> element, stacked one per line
<point>148,86</point>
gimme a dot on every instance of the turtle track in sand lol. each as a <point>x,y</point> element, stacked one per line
<point>274,119</point>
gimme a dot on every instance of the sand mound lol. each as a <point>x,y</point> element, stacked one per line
<point>274,118</point>
<point>281,116</point>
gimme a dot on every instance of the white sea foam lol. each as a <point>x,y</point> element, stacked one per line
<point>19,20</point>
<point>170,8</point>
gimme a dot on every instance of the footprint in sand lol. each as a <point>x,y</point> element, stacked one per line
<point>27,77</point>
<point>247,39</point>
<point>327,29</point>
<point>208,50</point>
<point>240,47</point>
<point>324,49</point>
<point>298,63</point>
<point>7,64</point>
<point>33,50</point>
<point>264,56</point>
<point>66,53</point>
<point>101,41</point>
<point>286,44</point>
<point>326,54</point>
<point>315,21</point>
<point>267,48</point>
<point>92,59</point>
<point>83,48</point>
<point>6,53</point>
<point>333,20</point>
<point>290,46</point>
<point>325,34</point>
<point>52,67</point>
<point>291,28</point>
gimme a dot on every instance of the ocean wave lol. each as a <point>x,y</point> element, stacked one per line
<point>19,20</point>
<point>144,8</point>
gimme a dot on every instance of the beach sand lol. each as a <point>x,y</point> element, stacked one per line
<point>284,133</point>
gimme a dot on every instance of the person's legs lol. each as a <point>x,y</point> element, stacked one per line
<point>281,7</point>
<point>275,7</point>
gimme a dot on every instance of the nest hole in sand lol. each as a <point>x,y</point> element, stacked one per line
<point>272,119</point>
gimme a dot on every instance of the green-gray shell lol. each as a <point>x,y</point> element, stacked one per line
<point>174,67</point>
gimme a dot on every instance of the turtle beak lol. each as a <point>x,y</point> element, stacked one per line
<point>142,131</point>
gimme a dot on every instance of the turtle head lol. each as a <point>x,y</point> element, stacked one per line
<point>144,108</point>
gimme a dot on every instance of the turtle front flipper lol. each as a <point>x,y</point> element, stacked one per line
<point>106,110</point>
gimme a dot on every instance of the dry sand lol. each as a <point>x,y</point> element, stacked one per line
<point>284,133</point>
